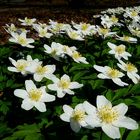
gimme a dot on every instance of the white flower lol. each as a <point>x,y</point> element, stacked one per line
<point>19,66</point>
<point>133,14</point>
<point>110,73</point>
<point>33,96</point>
<point>75,35</point>
<point>119,51</point>
<point>56,50</point>
<point>42,31</point>
<point>105,32</point>
<point>12,28</point>
<point>75,116</point>
<point>77,57</point>
<point>27,21</point>
<point>44,71</point>
<point>108,118</point>
<point>131,71</point>
<point>32,64</point>
<point>63,86</point>
<point>21,39</point>
<point>56,27</point>
<point>108,22</point>
<point>127,39</point>
<point>84,28</point>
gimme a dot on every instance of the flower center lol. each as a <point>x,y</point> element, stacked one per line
<point>113,73</point>
<point>103,31</point>
<point>43,32</point>
<point>73,35</point>
<point>126,38</point>
<point>21,65</point>
<point>22,40</point>
<point>85,26</point>
<point>120,49</point>
<point>134,13</point>
<point>28,21</point>
<point>114,19</point>
<point>41,70</point>
<point>130,67</point>
<point>78,115</point>
<point>76,55</point>
<point>64,84</point>
<point>107,114</point>
<point>35,94</point>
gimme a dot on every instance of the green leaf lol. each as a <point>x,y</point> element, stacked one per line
<point>134,135</point>
<point>4,107</point>
<point>25,132</point>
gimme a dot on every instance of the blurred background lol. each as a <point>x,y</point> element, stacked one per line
<point>57,10</point>
<point>70,3</point>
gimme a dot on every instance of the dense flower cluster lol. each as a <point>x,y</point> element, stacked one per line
<point>84,114</point>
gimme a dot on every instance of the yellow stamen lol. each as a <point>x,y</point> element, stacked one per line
<point>103,31</point>
<point>134,14</point>
<point>76,55</point>
<point>78,115</point>
<point>120,49</point>
<point>35,94</point>
<point>41,70</point>
<point>22,40</point>
<point>113,73</point>
<point>84,26</point>
<point>107,114</point>
<point>64,84</point>
<point>126,38</point>
<point>114,19</point>
<point>21,65</point>
<point>130,67</point>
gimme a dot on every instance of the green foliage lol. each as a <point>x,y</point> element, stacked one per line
<point>26,132</point>
<point>19,124</point>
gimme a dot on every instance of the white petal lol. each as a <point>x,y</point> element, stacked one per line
<point>60,94</point>
<point>68,91</point>
<point>53,87</point>
<point>13,69</point>
<point>21,93</point>
<point>75,126</point>
<point>29,84</point>
<point>79,107</point>
<point>126,122</point>
<point>65,77</point>
<point>74,85</point>
<point>121,108</point>
<point>102,76</point>
<point>111,131</point>
<point>102,101</point>
<point>38,77</point>
<point>68,110</point>
<point>111,52</point>
<point>111,45</point>
<point>119,82</point>
<point>47,98</point>
<point>40,106</point>
<point>13,61</point>
<point>65,117</point>
<point>27,104</point>
<point>132,77</point>
<point>93,121</point>
<point>90,109</point>
<point>99,68</point>
<point>30,46</point>
<point>121,66</point>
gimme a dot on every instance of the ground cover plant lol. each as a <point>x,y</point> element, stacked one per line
<point>72,80</point>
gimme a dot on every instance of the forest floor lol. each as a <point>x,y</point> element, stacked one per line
<point>60,14</point>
